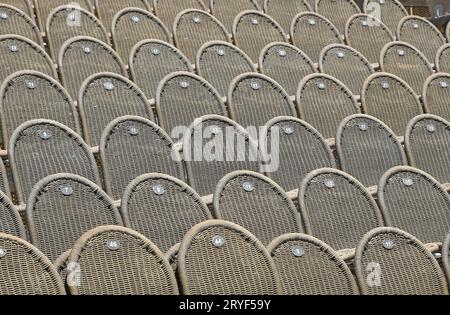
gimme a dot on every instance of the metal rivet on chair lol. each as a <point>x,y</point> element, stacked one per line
<point>288,130</point>
<point>156,51</point>
<point>255,85</point>
<point>363,126</point>
<point>113,244</point>
<point>4,15</point>
<point>133,130</point>
<point>385,85</point>
<point>329,183</point>
<point>215,130</point>
<point>248,186</point>
<point>2,252</point>
<point>184,84</point>
<point>30,84</point>
<point>13,48</point>
<point>221,51</point>
<point>400,52</point>
<point>415,25</point>
<point>431,128</point>
<point>72,17</point>
<point>340,54</point>
<point>312,22</point>
<point>388,244</point>
<point>443,84</point>
<point>87,49</point>
<point>408,182</point>
<point>382,1</point>
<point>298,251</point>
<point>196,19</point>
<point>282,52</point>
<point>218,241</point>
<point>45,134</point>
<point>364,23</point>
<point>109,86</point>
<point>321,85</point>
<point>135,18</point>
<point>255,22</point>
<point>67,190</point>
<point>159,190</point>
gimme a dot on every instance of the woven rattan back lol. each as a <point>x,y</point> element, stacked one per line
<point>16,21</point>
<point>446,256</point>
<point>226,10</point>
<point>45,7</point>
<point>107,9</point>
<point>436,92</point>
<point>167,10</point>
<point>4,183</point>
<point>22,5</point>
<point>285,10</point>
<point>442,61</point>
<point>337,11</point>
<point>388,11</point>
<point>11,222</point>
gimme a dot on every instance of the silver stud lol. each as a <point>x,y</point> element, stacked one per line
<point>312,21</point>
<point>4,15</point>
<point>196,19</point>
<point>72,17</point>
<point>113,244</point>
<point>255,85</point>
<point>218,241</point>
<point>215,130</point>
<point>443,84</point>
<point>221,51</point>
<point>255,22</point>
<point>66,190</point>
<point>13,48</point>
<point>298,251</point>
<point>329,183</point>
<point>363,126</point>
<point>282,52</point>
<point>385,85</point>
<point>364,23</point>
<point>87,49</point>
<point>248,186</point>
<point>135,18</point>
<point>321,85</point>
<point>431,128</point>
<point>408,182</point>
<point>30,84</point>
<point>45,134</point>
<point>133,130</point>
<point>2,252</point>
<point>156,51</point>
<point>382,1</point>
<point>415,25</point>
<point>400,52</point>
<point>109,86</point>
<point>288,130</point>
<point>159,190</point>
<point>388,244</point>
<point>340,54</point>
<point>184,84</point>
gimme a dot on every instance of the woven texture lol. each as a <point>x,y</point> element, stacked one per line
<point>22,5</point>
<point>283,11</point>
<point>443,59</point>
<point>367,148</point>
<point>406,269</point>
<point>227,10</point>
<point>11,222</point>
<point>4,185</point>
<point>107,9</point>
<point>392,11</point>
<point>44,8</point>
<point>167,10</point>
<point>337,11</point>
<point>436,94</point>
<point>18,22</point>
<point>446,256</point>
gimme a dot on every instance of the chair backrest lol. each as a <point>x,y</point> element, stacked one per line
<point>61,266</point>
<point>114,260</point>
<point>45,7</point>
<point>106,96</point>
<point>427,144</point>
<point>182,97</point>
<point>388,11</point>
<point>308,266</point>
<point>390,99</point>
<point>447,32</point>
<point>167,10</point>
<point>283,11</point>
<point>107,9</point>
<point>42,147</point>
<point>442,61</point>
<point>4,182</point>
<point>338,208</point>
<point>436,92</point>
<point>81,57</point>
<point>61,207</point>
<point>233,150</point>
<point>368,35</point>
<point>367,148</point>
<point>446,256</point>
<point>312,32</point>
<point>301,148</point>
<point>407,62</point>
<point>226,11</point>
<point>219,257</point>
<point>66,22</point>
<point>253,30</point>
<point>20,53</point>
<point>16,21</point>
<point>27,95</point>
<point>253,99</point>
<point>255,202</point>
<point>346,64</point>
<point>286,64</point>
<point>392,262</point>
<point>11,222</point>
<point>132,146</point>
<point>414,201</point>
<point>152,60</point>
<point>163,208</point>
<point>220,62</point>
<point>323,101</point>
<point>131,25</point>
<point>25,270</point>
<point>337,11</point>
<point>22,5</point>
<point>422,34</point>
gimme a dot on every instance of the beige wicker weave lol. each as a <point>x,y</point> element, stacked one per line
<point>107,9</point>
<point>45,7</point>
<point>22,5</point>
<point>442,61</point>
<point>283,11</point>
<point>16,21</point>
<point>389,11</point>
<point>221,258</point>
<point>172,257</point>
<point>337,11</point>
<point>11,222</point>
<point>4,184</point>
<point>167,10</point>
<point>436,92</point>
<point>308,266</point>
<point>227,10</point>
<point>118,261</point>
<point>62,267</point>
<point>392,262</point>
<point>446,256</point>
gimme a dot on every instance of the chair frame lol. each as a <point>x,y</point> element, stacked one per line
<point>444,48</point>
<point>28,20</point>
<point>426,87</point>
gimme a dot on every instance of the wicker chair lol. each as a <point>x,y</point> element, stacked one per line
<point>286,64</point>
<point>4,183</point>
<point>167,10</point>
<point>132,25</point>
<point>391,100</point>
<point>132,146</point>
<point>442,61</point>
<point>45,7</point>
<point>27,95</point>
<point>388,11</point>
<point>152,60</point>
<point>422,34</point>
<point>414,201</point>
<point>338,208</point>
<point>285,10</point>
<point>254,99</point>
<point>257,203</point>
<point>392,262</point>
<point>83,56</point>
<point>407,62</point>
<point>22,5</point>
<point>308,266</point>
<point>221,258</point>
<point>11,222</point>
<point>62,266</point>
<point>107,9</point>
<point>193,28</point>
<point>145,206</point>
<point>61,207</point>
<point>367,35</point>
<point>324,101</point>
<point>446,256</point>
<point>20,53</point>
<point>302,149</point>
<point>312,32</point>
<point>118,261</point>
<point>106,96</point>
<point>235,151</point>
<point>42,147</point>
<point>338,12</point>
<point>226,10</point>
<point>435,94</point>
<point>220,62</point>
<point>172,257</point>
<point>427,144</point>
<point>182,97</point>
<point>253,30</point>
<point>367,148</point>
<point>16,21</point>
<point>66,22</point>
<point>346,64</point>
<point>25,270</point>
